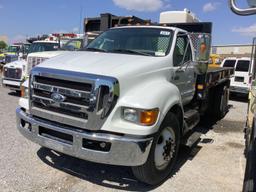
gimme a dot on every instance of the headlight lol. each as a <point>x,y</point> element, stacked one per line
<point>130,115</point>
<point>24,92</point>
<point>140,116</point>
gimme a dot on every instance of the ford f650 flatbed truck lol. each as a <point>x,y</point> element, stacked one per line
<point>131,98</point>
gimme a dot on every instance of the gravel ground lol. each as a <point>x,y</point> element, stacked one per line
<point>216,164</point>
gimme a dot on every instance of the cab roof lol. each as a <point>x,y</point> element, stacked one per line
<point>45,42</point>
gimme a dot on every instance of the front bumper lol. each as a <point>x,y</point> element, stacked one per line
<point>235,89</point>
<point>126,151</point>
<point>12,84</point>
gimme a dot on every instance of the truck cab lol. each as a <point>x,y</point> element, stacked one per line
<point>131,98</point>
<point>16,51</point>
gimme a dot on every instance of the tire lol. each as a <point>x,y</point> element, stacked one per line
<point>166,143</point>
<point>224,102</point>
<point>220,102</point>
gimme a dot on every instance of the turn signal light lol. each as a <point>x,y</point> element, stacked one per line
<point>149,117</point>
<point>24,92</point>
<point>200,87</point>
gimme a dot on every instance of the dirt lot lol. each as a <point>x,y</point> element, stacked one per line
<point>215,164</point>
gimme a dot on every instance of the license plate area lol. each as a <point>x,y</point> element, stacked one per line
<point>56,135</point>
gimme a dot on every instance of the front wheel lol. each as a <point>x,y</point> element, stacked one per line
<point>163,153</point>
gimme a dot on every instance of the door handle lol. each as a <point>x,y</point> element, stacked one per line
<point>182,70</point>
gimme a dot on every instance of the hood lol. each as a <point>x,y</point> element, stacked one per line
<point>46,54</point>
<point>107,64</point>
<point>16,64</point>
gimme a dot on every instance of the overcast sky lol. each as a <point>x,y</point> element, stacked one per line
<point>21,18</point>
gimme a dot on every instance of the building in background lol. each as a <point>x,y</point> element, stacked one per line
<point>4,38</point>
<point>236,50</point>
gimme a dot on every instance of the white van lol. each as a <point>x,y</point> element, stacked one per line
<point>241,80</point>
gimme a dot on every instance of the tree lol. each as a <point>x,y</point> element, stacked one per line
<point>3,45</point>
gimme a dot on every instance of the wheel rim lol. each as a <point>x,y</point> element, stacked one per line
<point>165,148</point>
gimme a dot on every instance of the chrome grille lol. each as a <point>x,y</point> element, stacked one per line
<point>12,73</point>
<point>87,99</point>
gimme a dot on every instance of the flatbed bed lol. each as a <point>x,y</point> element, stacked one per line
<point>213,77</point>
<point>216,75</point>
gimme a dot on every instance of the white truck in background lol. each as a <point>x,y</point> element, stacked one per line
<point>15,73</point>
<point>241,81</point>
<point>73,44</point>
<point>131,98</point>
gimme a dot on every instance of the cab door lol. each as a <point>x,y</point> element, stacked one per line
<point>184,73</point>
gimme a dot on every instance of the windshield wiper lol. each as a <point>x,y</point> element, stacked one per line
<point>94,49</point>
<point>130,51</point>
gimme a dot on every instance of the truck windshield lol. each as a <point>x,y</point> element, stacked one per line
<point>13,49</point>
<point>229,63</point>
<point>243,66</point>
<point>140,41</point>
<point>40,47</point>
<point>73,45</point>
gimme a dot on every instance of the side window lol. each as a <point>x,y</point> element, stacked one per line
<point>182,52</point>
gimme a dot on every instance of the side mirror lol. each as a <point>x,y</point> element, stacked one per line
<point>247,11</point>
<point>251,3</point>
<point>202,47</point>
<point>20,55</point>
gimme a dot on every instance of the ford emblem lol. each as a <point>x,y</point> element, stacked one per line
<point>58,98</point>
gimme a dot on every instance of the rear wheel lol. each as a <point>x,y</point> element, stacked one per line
<point>163,153</point>
<point>219,102</point>
<point>223,107</point>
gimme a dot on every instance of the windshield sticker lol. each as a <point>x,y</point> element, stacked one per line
<point>159,54</point>
<point>165,33</point>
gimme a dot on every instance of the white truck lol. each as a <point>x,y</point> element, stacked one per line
<point>38,57</point>
<point>131,99</point>
<point>16,72</point>
<point>241,81</point>
<point>74,44</point>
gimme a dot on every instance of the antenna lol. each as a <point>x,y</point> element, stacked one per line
<point>81,15</point>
